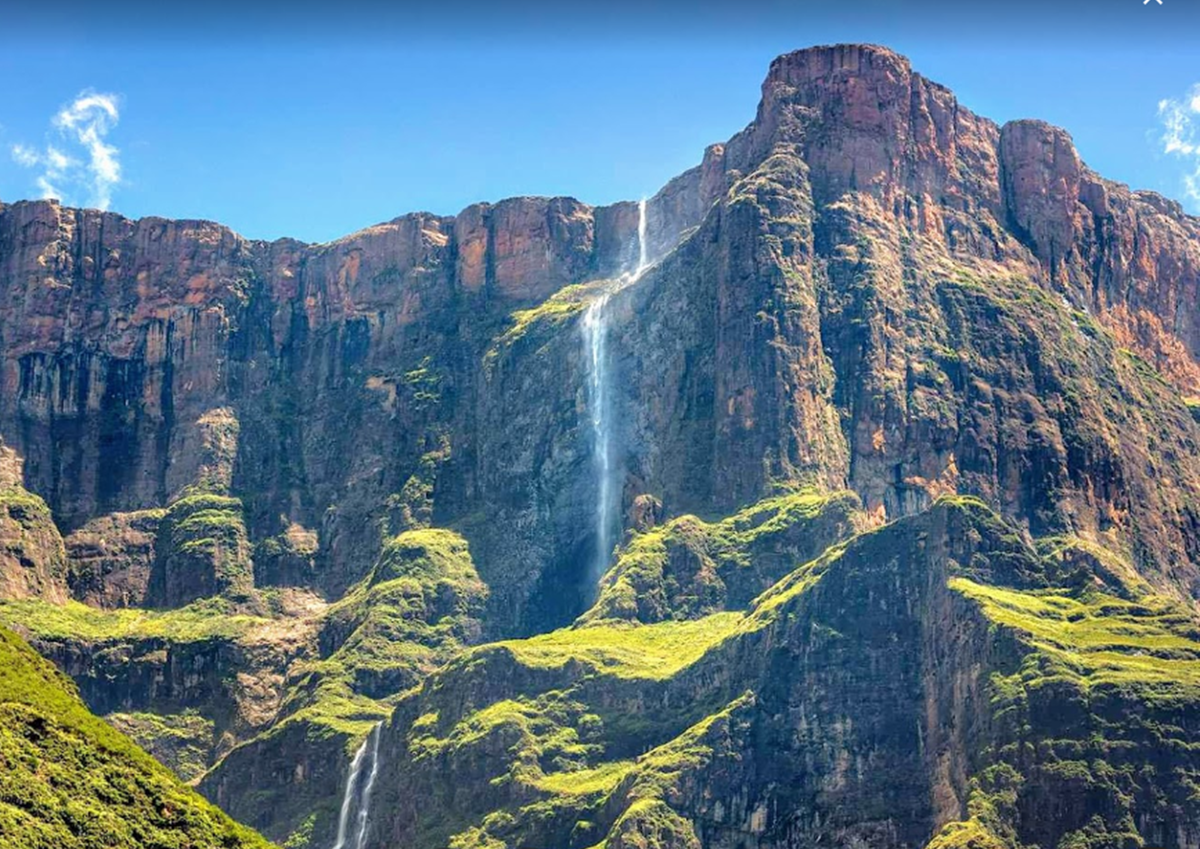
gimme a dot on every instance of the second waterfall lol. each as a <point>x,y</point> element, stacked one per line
<point>356,801</point>
<point>595,337</point>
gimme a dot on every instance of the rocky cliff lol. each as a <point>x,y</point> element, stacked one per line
<point>899,426</point>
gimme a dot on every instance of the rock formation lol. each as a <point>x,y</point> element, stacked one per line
<point>902,429</point>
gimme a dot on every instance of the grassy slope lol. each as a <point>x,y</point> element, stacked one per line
<point>69,780</point>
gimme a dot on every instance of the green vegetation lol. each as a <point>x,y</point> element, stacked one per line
<point>971,834</point>
<point>424,383</point>
<point>552,312</point>
<point>24,506</point>
<point>625,650</point>
<point>414,611</point>
<point>596,735</point>
<point>599,780</point>
<point>181,741</point>
<point>70,781</point>
<point>204,549</point>
<point>1095,638</point>
<point>201,620</point>
<point>651,824</point>
<point>412,507</point>
<point>32,556</point>
<point>689,567</point>
<point>1080,563</point>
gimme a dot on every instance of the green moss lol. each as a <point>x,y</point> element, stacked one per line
<point>1095,638</point>
<point>302,837</point>
<point>1192,402</point>
<point>689,567</point>
<point>424,383</point>
<point>28,509</point>
<point>1079,563</point>
<point>651,824</point>
<point>204,548</point>
<point>538,735</point>
<point>412,507</point>
<point>600,780</point>
<point>475,838</point>
<point>181,741</point>
<point>970,834</point>
<point>625,650</point>
<point>428,555</point>
<point>70,781</point>
<point>416,609</point>
<point>202,620</point>
<point>552,312</point>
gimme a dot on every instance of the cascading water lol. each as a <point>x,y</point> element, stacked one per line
<point>595,338</point>
<point>356,801</point>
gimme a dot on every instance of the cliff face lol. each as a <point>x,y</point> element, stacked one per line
<point>330,469</point>
<point>339,368</point>
<point>936,681</point>
<point>784,323</point>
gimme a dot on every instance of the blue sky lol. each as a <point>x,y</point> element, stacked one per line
<point>317,131</point>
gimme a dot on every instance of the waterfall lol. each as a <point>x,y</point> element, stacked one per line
<point>357,824</point>
<point>643,246</point>
<point>595,336</point>
<point>595,339</point>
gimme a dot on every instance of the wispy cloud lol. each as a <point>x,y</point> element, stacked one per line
<point>79,159</point>
<point>1180,119</point>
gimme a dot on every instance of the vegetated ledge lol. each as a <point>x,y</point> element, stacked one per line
<point>612,731</point>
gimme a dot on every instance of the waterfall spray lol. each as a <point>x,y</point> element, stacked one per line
<point>643,246</point>
<point>595,338</point>
<point>357,824</point>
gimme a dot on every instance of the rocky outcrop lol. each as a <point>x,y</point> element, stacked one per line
<point>32,557</point>
<point>923,679</point>
<point>72,780</point>
<point>419,607</point>
<point>112,559</point>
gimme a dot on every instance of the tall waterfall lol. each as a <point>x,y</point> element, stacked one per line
<point>356,801</point>
<point>595,339</point>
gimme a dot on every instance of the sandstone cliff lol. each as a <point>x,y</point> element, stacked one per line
<point>257,494</point>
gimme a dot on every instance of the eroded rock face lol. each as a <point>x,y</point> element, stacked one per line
<point>112,559</point>
<point>897,688</point>
<point>869,290</point>
<point>136,350</point>
<point>32,558</point>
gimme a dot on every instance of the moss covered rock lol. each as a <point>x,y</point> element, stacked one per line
<point>33,561</point>
<point>928,681</point>
<point>689,567</point>
<point>203,550</point>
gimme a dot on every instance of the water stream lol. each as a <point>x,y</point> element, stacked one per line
<point>356,801</point>
<point>595,338</point>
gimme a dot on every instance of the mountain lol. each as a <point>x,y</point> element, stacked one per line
<point>845,491</point>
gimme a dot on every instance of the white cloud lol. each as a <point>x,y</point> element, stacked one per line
<point>81,160</point>
<point>1180,120</point>
<point>24,156</point>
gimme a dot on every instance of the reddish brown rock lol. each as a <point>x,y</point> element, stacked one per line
<point>807,323</point>
<point>112,557</point>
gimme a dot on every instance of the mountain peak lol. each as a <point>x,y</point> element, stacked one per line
<point>861,60</point>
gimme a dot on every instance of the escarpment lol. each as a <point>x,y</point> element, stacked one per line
<point>899,432</point>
